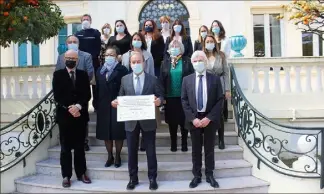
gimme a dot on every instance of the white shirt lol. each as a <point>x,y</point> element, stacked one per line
<point>149,43</point>
<point>204,83</point>
<point>141,77</point>
<point>165,34</point>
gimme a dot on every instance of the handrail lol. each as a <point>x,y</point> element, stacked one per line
<point>35,125</point>
<point>275,144</point>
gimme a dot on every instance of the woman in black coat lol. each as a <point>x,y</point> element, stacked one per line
<point>203,32</point>
<point>175,66</point>
<point>108,82</point>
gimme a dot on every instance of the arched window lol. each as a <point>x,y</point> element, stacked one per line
<point>154,9</point>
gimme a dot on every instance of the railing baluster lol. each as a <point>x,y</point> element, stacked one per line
<point>25,92</point>
<point>3,80</point>
<point>319,85</point>
<point>287,80</point>
<point>8,83</point>
<point>34,86</point>
<point>322,161</point>
<point>308,79</point>
<point>43,85</point>
<point>277,88</point>
<point>266,88</point>
<point>298,82</point>
<point>256,87</point>
<point>17,86</point>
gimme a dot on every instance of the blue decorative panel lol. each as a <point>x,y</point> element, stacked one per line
<point>61,40</point>
<point>35,55</point>
<point>22,55</point>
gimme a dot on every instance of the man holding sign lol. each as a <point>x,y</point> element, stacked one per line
<point>133,87</point>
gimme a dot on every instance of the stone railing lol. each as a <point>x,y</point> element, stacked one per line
<point>27,82</point>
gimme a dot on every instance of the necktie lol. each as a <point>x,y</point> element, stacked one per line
<point>200,93</point>
<point>72,77</point>
<point>138,86</point>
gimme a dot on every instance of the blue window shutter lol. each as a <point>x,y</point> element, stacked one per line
<point>35,55</point>
<point>22,55</point>
<point>61,40</point>
<point>76,27</point>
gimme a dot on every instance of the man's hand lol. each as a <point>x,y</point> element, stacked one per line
<point>119,58</point>
<point>196,123</point>
<point>73,109</point>
<point>204,122</point>
<point>77,114</point>
<point>157,101</point>
<point>227,95</point>
<point>114,103</point>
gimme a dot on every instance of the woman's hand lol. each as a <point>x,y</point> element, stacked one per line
<point>227,95</point>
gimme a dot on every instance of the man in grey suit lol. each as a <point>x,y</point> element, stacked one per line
<point>84,63</point>
<point>140,83</point>
<point>202,101</point>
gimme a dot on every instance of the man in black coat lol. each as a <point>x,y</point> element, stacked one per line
<point>72,93</point>
<point>202,101</point>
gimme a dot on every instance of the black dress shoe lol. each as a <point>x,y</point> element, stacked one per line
<point>131,185</point>
<point>85,179</point>
<point>109,162</point>
<point>118,162</point>
<point>195,182</point>
<point>66,182</point>
<point>174,149</point>
<point>211,180</point>
<point>221,145</point>
<point>153,184</point>
<point>184,148</point>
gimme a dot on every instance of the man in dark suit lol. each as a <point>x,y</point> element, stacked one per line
<point>71,89</point>
<point>202,101</point>
<point>140,83</point>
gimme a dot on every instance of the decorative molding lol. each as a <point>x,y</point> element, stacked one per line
<point>72,19</point>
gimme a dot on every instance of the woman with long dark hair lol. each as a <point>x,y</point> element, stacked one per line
<point>121,38</point>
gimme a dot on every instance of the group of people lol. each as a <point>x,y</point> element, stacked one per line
<point>190,82</point>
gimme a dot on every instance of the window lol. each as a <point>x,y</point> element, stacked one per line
<point>69,29</point>
<point>312,44</point>
<point>267,35</point>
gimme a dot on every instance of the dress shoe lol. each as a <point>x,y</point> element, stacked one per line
<point>142,149</point>
<point>109,162</point>
<point>66,182</point>
<point>221,145</point>
<point>211,180</point>
<point>174,149</point>
<point>153,184</point>
<point>132,184</point>
<point>195,182</point>
<point>184,148</point>
<point>118,162</point>
<point>85,179</point>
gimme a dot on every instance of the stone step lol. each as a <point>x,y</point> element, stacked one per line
<point>163,139</point>
<point>99,153</point>
<point>229,126</point>
<point>167,171</point>
<point>51,184</point>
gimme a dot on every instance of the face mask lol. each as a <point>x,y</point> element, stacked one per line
<point>120,29</point>
<point>203,34</point>
<point>165,26</point>
<point>85,24</point>
<point>148,29</point>
<point>199,66</point>
<point>106,31</point>
<point>216,30</point>
<point>136,43</point>
<point>210,46</point>
<point>177,28</point>
<point>110,60</point>
<point>70,64</point>
<point>137,68</point>
<point>73,46</point>
<point>174,52</point>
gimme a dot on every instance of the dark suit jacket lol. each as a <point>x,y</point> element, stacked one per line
<point>157,51</point>
<point>197,46</point>
<point>214,99</point>
<point>186,43</point>
<point>151,86</point>
<point>165,76</point>
<point>65,94</point>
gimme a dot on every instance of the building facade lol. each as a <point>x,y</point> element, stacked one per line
<point>256,20</point>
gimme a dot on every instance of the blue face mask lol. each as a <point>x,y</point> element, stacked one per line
<point>110,60</point>
<point>216,30</point>
<point>137,68</point>
<point>73,46</point>
<point>120,29</point>
<point>199,66</point>
<point>136,43</point>
<point>174,52</point>
<point>177,28</point>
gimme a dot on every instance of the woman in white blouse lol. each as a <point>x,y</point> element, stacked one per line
<point>165,23</point>
<point>223,42</point>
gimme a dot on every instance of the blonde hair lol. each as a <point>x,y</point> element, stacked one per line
<point>165,18</point>
<point>106,25</point>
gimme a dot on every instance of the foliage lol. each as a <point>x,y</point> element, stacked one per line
<point>29,20</point>
<point>307,15</point>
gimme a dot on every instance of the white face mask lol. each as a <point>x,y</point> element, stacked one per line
<point>203,34</point>
<point>210,46</point>
<point>199,66</point>
<point>86,24</point>
<point>165,26</point>
<point>106,31</point>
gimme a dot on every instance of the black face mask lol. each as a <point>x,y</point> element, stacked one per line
<point>148,29</point>
<point>70,64</point>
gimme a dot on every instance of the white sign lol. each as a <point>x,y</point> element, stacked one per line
<point>135,108</point>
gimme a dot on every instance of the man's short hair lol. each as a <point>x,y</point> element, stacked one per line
<point>86,15</point>
<point>72,36</point>
<point>136,53</point>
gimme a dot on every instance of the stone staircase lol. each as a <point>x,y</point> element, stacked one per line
<point>233,173</point>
